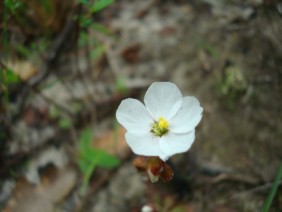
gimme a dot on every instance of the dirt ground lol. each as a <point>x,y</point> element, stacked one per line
<point>226,53</point>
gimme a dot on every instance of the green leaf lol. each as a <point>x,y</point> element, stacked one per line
<point>85,21</point>
<point>11,77</point>
<point>87,169</point>
<point>120,86</point>
<point>82,165</point>
<point>7,77</point>
<point>99,157</point>
<point>12,5</point>
<point>273,189</point>
<point>89,157</point>
<point>24,51</point>
<point>85,2</point>
<point>104,159</point>
<point>85,141</point>
<point>97,52</point>
<point>54,112</point>
<point>65,123</point>
<point>100,4</point>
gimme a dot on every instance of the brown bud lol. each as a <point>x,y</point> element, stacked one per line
<point>167,173</point>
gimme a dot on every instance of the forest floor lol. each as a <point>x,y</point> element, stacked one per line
<point>228,55</point>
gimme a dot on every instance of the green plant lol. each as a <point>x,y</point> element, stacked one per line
<point>7,78</point>
<point>64,122</point>
<point>121,86</point>
<point>273,189</point>
<point>232,85</point>
<point>233,80</point>
<point>90,157</point>
<point>97,6</point>
<point>208,47</point>
<point>86,22</point>
<point>10,6</point>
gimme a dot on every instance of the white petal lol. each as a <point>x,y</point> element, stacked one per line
<point>133,115</point>
<point>163,99</point>
<point>188,117</point>
<point>143,144</point>
<point>172,143</point>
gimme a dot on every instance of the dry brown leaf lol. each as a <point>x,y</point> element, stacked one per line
<point>131,54</point>
<point>23,69</point>
<point>113,142</point>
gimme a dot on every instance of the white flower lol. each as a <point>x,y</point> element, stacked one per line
<point>165,125</point>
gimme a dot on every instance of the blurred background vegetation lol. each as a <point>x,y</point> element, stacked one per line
<point>66,65</point>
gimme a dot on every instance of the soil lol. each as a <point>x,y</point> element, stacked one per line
<point>226,53</point>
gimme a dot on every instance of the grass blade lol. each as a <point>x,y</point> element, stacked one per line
<point>273,190</point>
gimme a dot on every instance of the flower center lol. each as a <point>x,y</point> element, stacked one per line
<point>161,127</point>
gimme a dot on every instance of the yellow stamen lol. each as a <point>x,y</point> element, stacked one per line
<point>161,127</point>
<point>163,124</point>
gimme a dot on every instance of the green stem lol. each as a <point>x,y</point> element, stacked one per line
<point>273,189</point>
<point>86,178</point>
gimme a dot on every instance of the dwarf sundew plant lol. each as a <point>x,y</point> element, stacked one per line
<point>164,125</point>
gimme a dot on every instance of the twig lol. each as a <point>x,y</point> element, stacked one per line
<point>52,55</point>
<point>54,51</point>
<point>82,77</point>
<point>256,189</point>
<point>51,101</point>
<point>36,90</point>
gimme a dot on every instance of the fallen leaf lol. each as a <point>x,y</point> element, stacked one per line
<point>23,69</point>
<point>113,142</point>
<point>131,53</point>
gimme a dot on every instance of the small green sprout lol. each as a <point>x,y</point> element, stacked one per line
<point>90,157</point>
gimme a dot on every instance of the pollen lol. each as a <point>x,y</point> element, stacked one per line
<point>161,127</point>
<point>163,124</point>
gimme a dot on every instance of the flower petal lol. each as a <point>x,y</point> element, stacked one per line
<point>133,115</point>
<point>163,99</point>
<point>188,117</point>
<point>143,144</point>
<point>172,143</point>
